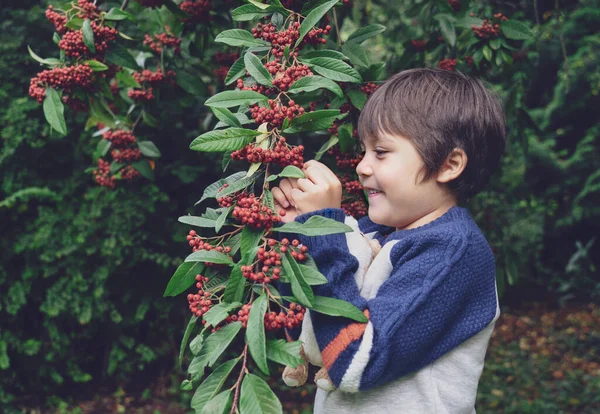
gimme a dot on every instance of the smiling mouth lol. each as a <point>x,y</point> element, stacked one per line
<point>372,191</point>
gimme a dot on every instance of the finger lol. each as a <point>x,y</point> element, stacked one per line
<point>297,195</point>
<point>287,185</point>
<point>324,173</point>
<point>305,184</point>
<point>279,197</point>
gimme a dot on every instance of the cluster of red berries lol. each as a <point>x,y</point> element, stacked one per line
<point>102,174</point>
<point>276,113</point>
<point>154,78</point>
<point>268,264</point>
<point>200,303</point>
<point>369,88</point>
<point>126,155</point>
<point>345,160</point>
<point>282,154</point>
<point>196,243</point>
<point>141,95</point>
<point>419,45</point>
<point>469,60</point>
<point>447,64</point>
<point>355,208</point>
<point>291,319</point>
<point>59,20</point>
<point>284,78</point>
<point>265,90</point>
<point>119,138</point>
<point>159,41</point>
<point>351,186</point>
<point>73,45</point>
<point>455,4</point>
<point>198,10</point>
<point>489,28</point>
<point>86,9</point>
<point>250,212</point>
<point>67,79</point>
<point>153,4</point>
<point>281,39</point>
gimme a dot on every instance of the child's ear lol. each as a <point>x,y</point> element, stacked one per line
<point>453,166</point>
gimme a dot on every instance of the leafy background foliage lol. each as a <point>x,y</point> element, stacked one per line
<point>83,269</point>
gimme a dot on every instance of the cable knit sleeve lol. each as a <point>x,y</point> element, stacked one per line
<point>423,295</point>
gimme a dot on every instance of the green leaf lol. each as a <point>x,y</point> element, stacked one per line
<point>221,220</point>
<point>212,385</point>
<point>284,353</point>
<point>468,22</point>
<point>312,276</point>
<point>255,333</point>
<point>174,8</point>
<point>314,121</point>
<point>334,54</point>
<point>487,53</point>
<point>356,53</point>
<point>337,307</point>
<point>269,201</point>
<point>236,71</point>
<point>118,55</point>
<point>226,116</point>
<point>290,171</point>
<point>211,190</point>
<point>217,343</point>
<point>219,404</point>
<point>313,83</point>
<point>345,137</point>
<point>234,291</point>
<point>238,37</point>
<point>230,139</point>
<point>257,398</point>
<point>447,29</point>
<point>54,111</point>
<point>192,84</point>
<point>257,70</point>
<point>144,168</point>
<point>186,385</point>
<point>117,14</point>
<point>333,69</point>
<point>249,12</point>
<point>183,278</point>
<point>115,167</point>
<point>325,147</point>
<point>358,98</point>
<point>300,288</point>
<point>507,57</point>
<point>228,99</point>
<point>313,18</point>
<point>148,149</point>
<point>516,30</point>
<point>50,61</point>
<point>103,147</point>
<point>366,32</point>
<point>125,78</point>
<point>250,239</point>
<point>209,256</point>
<point>496,43</point>
<point>197,221</point>
<point>75,23</point>
<point>236,186</point>
<point>186,337</point>
<point>314,226</point>
<point>219,312</point>
<point>95,65</point>
<point>88,35</point>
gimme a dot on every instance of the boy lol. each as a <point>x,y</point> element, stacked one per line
<point>432,138</point>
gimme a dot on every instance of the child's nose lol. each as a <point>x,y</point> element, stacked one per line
<point>363,168</point>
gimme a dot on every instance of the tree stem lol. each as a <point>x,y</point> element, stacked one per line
<point>238,383</point>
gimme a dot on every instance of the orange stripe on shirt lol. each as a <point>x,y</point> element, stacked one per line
<point>346,336</point>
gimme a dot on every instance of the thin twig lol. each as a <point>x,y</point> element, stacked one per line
<point>238,382</point>
<point>337,28</point>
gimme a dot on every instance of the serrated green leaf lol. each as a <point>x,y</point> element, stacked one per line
<point>214,346</point>
<point>236,71</point>
<point>183,278</point>
<point>148,149</point>
<point>300,288</point>
<point>230,139</point>
<point>54,111</point>
<point>186,337</point>
<point>314,121</point>
<point>313,18</point>
<point>229,99</point>
<point>256,69</point>
<point>333,69</point>
<point>88,35</point>
<point>238,37</point>
<point>255,333</point>
<point>284,353</point>
<point>366,32</point>
<point>516,30</point>
<point>212,385</point>
<point>356,53</point>
<point>219,404</point>
<point>269,201</point>
<point>226,116</point>
<point>313,83</point>
<point>211,256</point>
<point>314,226</point>
<point>219,312</point>
<point>257,398</point>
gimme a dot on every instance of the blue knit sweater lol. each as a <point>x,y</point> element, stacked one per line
<point>428,290</point>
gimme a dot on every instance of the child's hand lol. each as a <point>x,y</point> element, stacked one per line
<point>320,189</point>
<point>283,199</point>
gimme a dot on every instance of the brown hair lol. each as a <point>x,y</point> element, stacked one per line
<point>439,110</point>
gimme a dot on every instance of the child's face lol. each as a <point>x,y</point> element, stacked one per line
<point>391,172</point>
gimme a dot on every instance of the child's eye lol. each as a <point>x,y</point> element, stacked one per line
<point>380,152</point>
